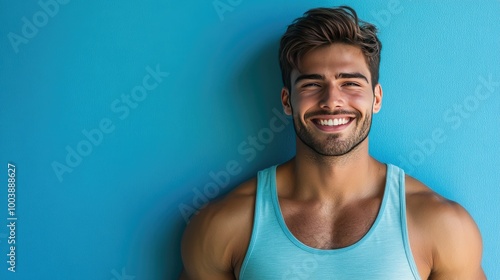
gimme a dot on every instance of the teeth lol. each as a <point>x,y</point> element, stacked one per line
<point>334,122</point>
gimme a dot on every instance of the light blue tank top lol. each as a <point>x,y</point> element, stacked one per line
<point>383,253</point>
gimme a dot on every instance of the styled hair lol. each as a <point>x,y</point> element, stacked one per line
<point>324,26</point>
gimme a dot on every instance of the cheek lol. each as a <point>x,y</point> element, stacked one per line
<point>299,104</point>
<point>362,100</point>
<point>301,107</point>
<point>306,100</point>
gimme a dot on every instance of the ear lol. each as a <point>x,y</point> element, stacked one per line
<point>377,101</point>
<point>285,101</point>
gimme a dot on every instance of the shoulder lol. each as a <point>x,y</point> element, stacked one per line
<point>217,237</point>
<point>447,236</point>
<point>431,211</point>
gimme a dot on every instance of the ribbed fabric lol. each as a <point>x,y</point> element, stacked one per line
<point>383,253</point>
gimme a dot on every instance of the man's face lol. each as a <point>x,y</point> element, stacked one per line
<point>332,99</point>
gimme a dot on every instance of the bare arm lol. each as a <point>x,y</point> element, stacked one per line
<point>215,241</point>
<point>206,253</point>
<point>445,240</point>
<point>457,245</point>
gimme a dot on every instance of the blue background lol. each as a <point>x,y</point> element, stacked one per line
<point>120,212</point>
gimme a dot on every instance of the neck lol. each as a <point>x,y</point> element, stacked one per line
<point>339,179</point>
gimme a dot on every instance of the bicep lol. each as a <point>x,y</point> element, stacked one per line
<point>457,245</point>
<point>201,252</point>
<point>203,267</point>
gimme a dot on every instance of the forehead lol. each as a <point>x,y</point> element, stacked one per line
<point>332,59</point>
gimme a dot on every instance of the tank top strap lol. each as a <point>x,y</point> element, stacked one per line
<point>263,219</point>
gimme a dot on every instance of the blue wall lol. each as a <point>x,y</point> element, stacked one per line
<point>123,118</point>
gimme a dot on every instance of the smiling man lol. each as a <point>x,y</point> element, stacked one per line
<point>332,211</point>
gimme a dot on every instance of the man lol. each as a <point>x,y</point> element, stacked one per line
<point>333,211</point>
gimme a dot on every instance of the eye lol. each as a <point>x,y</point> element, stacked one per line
<point>351,84</point>
<point>308,85</point>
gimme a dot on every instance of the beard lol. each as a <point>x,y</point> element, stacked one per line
<point>333,144</point>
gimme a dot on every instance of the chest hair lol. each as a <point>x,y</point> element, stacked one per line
<point>330,228</point>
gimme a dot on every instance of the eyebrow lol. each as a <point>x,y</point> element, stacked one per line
<point>309,77</point>
<point>355,75</point>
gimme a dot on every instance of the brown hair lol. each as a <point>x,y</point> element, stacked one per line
<point>323,26</point>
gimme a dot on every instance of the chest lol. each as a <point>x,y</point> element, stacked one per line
<point>323,227</point>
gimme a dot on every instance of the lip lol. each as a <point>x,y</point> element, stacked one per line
<point>331,129</point>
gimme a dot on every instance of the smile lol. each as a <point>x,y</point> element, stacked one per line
<point>333,122</point>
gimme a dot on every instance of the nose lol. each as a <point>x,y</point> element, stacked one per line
<point>332,98</point>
